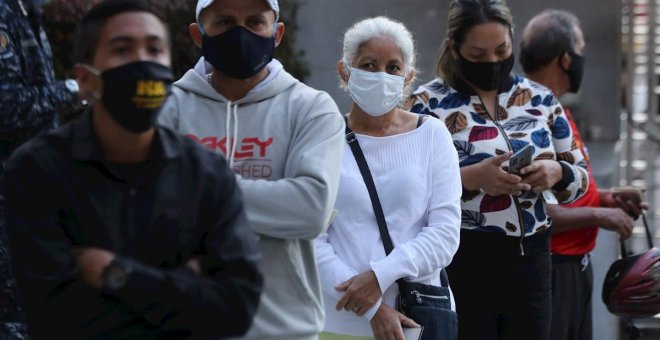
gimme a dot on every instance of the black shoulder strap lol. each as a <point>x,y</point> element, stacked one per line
<point>373,195</point>
<point>371,187</point>
<point>420,120</point>
<point>444,278</point>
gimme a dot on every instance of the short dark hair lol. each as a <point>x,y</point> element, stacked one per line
<point>90,26</point>
<point>557,37</point>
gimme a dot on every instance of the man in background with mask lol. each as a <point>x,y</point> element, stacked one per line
<point>551,53</point>
<point>119,229</point>
<point>283,139</point>
<point>30,98</point>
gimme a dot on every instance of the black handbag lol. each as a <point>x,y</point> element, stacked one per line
<point>427,305</point>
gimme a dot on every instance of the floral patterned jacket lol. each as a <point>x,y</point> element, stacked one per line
<point>528,113</point>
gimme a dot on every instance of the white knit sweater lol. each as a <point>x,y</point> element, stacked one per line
<point>418,182</point>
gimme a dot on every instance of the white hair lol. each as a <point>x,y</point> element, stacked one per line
<point>379,27</point>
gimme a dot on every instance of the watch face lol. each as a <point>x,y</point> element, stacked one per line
<point>116,277</point>
<point>72,85</point>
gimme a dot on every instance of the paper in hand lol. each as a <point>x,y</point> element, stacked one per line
<point>413,333</point>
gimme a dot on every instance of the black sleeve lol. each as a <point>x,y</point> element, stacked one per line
<point>222,302</point>
<point>45,269</point>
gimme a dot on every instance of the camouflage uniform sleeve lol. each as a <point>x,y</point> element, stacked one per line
<point>25,109</point>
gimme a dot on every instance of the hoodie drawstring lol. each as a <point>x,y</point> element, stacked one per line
<point>231,114</point>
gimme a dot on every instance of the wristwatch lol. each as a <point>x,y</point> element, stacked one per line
<point>72,86</point>
<point>77,105</point>
<point>116,274</point>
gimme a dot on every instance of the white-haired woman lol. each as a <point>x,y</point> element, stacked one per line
<point>415,170</point>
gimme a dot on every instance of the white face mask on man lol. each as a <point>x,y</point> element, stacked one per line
<point>376,93</point>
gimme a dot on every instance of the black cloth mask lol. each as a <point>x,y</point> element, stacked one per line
<point>238,52</point>
<point>574,71</point>
<point>486,76</point>
<point>134,93</point>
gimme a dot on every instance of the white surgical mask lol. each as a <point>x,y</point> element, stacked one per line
<point>376,93</point>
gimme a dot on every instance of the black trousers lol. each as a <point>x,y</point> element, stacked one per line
<point>501,294</point>
<point>12,319</point>
<point>572,285</point>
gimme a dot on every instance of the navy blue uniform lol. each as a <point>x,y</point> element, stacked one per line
<point>30,98</point>
<point>29,94</point>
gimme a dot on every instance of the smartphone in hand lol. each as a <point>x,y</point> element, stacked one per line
<point>521,159</point>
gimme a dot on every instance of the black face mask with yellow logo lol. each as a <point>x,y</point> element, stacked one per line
<point>134,93</point>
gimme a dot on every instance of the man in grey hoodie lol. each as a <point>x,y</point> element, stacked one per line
<point>282,138</point>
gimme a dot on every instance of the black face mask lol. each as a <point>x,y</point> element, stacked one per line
<point>238,53</point>
<point>134,93</point>
<point>574,72</point>
<point>486,76</point>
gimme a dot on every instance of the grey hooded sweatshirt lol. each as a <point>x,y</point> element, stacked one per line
<point>287,156</point>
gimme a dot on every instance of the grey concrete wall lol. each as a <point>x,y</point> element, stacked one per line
<point>605,157</point>
<point>597,108</point>
<point>323,22</point>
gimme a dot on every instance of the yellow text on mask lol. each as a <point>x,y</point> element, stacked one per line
<point>150,88</point>
<point>149,94</point>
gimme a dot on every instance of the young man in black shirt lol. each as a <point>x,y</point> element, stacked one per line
<point>119,229</point>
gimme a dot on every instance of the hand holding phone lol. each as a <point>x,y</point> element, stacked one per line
<point>493,177</point>
<point>521,159</point>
